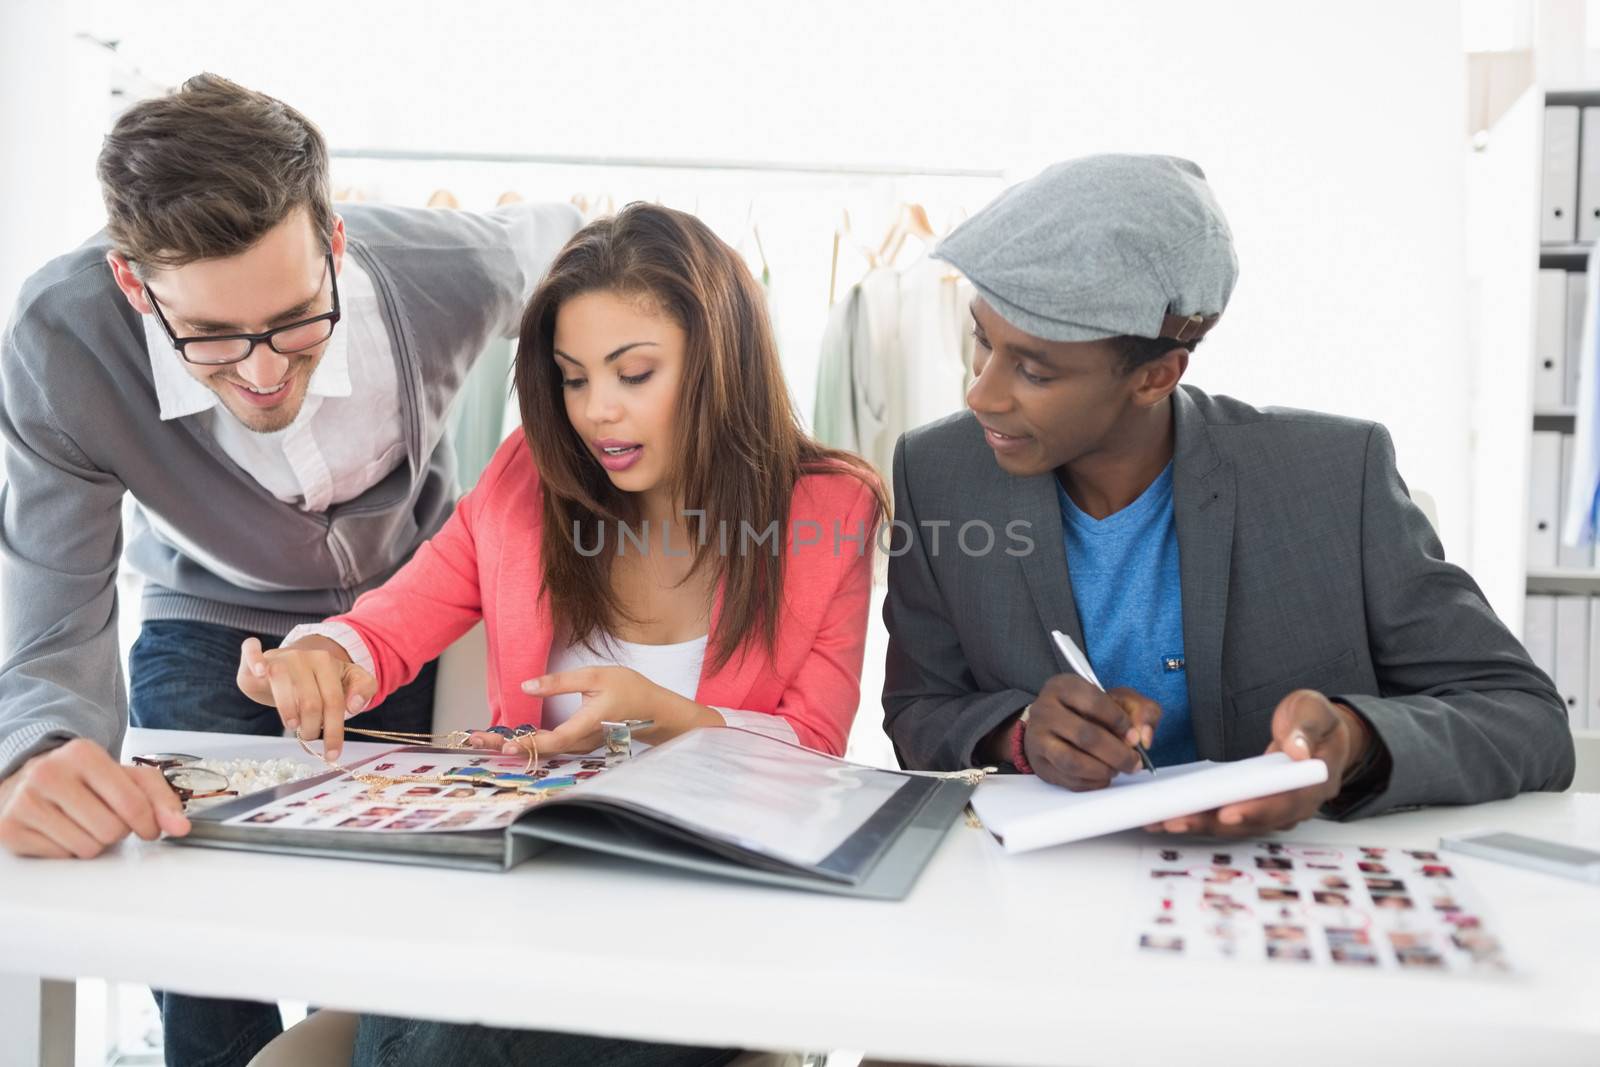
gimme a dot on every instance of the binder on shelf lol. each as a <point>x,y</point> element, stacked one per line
<point>1543,497</point>
<point>1590,719</point>
<point>1559,198</point>
<point>1568,557</point>
<point>1539,631</point>
<point>1577,304</point>
<point>1572,655</point>
<point>1589,177</point>
<point>1550,341</point>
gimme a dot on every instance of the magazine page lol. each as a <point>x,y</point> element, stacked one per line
<point>423,791</point>
<point>757,793</point>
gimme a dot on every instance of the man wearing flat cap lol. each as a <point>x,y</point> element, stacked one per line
<point>1241,579</point>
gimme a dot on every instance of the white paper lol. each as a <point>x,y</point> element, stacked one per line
<point>1025,812</point>
<point>770,797</point>
<point>1302,905</point>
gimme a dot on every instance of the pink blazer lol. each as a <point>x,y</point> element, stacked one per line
<point>484,563</point>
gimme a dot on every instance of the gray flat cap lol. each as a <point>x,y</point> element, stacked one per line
<point>1102,246</point>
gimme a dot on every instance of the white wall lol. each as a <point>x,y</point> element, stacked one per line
<point>53,110</point>
<point>1333,136</point>
<point>1331,130</point>
<point>1503,191</point>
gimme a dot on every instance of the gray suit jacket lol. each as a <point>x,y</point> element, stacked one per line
<point>1304,565</point>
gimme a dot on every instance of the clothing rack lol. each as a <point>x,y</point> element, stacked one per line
<point>656,163</point>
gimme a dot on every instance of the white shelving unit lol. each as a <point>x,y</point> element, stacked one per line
<point>1540,578</point>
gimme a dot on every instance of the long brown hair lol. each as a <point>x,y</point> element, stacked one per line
<point>740,449</point>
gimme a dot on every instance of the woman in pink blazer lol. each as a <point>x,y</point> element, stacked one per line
<point>661,542</point>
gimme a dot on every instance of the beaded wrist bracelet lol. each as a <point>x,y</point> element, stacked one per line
<point>1019,757</point>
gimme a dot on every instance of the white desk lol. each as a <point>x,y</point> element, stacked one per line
<point>993,959</point>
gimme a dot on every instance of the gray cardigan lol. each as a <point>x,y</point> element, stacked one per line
<point>1304,565</point>
<point>81,427</point>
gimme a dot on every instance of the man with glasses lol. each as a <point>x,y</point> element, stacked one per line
<point>268,382</point>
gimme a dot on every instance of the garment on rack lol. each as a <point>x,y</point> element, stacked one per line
<point>833,411</point>
<point>936,335</point>
<point>1583,487</point>
<point>485,411</point>
<point>896,353</point>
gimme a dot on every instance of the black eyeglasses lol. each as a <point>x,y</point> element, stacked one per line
<point>213,350</point>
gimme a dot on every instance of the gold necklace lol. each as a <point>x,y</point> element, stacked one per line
<point>453,739</point>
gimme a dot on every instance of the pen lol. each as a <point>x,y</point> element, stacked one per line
<point>1080,666</point>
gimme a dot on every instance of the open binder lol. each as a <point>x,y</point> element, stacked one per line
<point>720,801</point>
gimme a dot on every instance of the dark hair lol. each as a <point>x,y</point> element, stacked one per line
<point>1134,352</point>
<point>740,449</point>
<point>206,170</point>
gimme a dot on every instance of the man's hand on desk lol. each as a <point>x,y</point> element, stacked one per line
<point>1306,725</point>
<point>77,801</point>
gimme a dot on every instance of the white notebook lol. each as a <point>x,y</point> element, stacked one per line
<point>1025,812</point>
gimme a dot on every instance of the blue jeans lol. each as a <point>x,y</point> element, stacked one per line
<point>382,1041</point>
<point>181,677</point>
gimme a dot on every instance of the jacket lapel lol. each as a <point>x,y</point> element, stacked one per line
<point>729,686</point>
<point>1203,498</point>
<point>1034,501</point>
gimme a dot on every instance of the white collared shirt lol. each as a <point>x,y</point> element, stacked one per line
<point>347,436</point>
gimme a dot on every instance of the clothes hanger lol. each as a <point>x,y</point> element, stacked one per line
<point>841,231</point>
<point>761,252</point>
<point>917,216</point>
<point>957,216</point>
<point>766,271</point>
<point>443,198</point>
<point>510,196</point>
<point>833,267</point>
<point>911,221</point>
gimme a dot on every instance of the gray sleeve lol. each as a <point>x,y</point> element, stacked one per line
<point>932,708</point>
<point>1463,713</point>
<point>60,541</point>
<point>534,233</point>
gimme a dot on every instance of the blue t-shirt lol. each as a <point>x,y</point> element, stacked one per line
<point>1125,581</point>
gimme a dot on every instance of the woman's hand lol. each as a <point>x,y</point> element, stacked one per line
<point>313,685</point>
<point>610,694</point>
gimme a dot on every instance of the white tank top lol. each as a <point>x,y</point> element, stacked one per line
<point>672,667</point>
